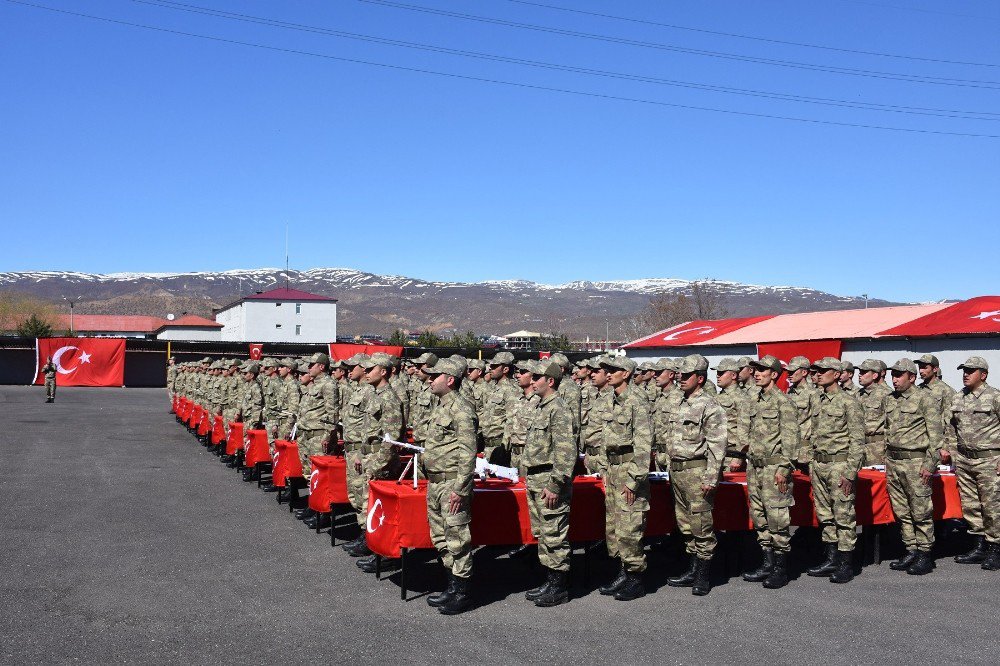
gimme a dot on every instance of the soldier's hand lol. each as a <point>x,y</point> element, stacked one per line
<point>998,468</point>
<point>846,486</point>
<point>735,464</point>
<point>707,490</point>
<point>454,503</point>
<point>550,498</point>
<point>325,443</point>
<point>357,464</point>
<point>781,481</point>
<point>925,476</point>
<point>945,457</point>
<point>629,496</point>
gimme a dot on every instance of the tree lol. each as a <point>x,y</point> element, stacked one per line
<point>428,339</point>
<point>16,309</point>
<point>467,340</point>
<point>554,342</point>
<point>702,300</point>
<point>34,327</point>
<point>397,339</point>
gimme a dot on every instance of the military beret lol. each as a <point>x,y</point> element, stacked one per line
<point>904,365</point>
<point>727,364</point>
<point>377,359</point>
<point>769,362</point>
<point>929,359</point>
<point>827,363</point>
<point>549,368</point>
<point>798,363</point>
<point>619,363</point>
<point>975,363</point>
<point>446,366</point>
<point>427,358</point>
<point>561,359</point>
<point>872,365</point>
<point>502,358</point>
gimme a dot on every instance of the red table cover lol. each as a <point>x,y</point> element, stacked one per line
<point>255,448</point>
<point>234,442</point>
<point>327,482</point>
<point>285,462</point>
<point>218,430</point>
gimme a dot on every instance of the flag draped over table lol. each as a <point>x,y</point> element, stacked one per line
<point>82,361</point>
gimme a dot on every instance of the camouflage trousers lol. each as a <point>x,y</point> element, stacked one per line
<point>874,450</point>
<point>835,513</point>
<point>769,507</point>
<point>730,459</point>
<point>595,460</point>
<point>979,488</point>
<point>550,526</point>
<point>625,525</point>
<point>229,414</point>
<point>516,459</point>
<point>357,485</point>
<point>911,502</point>
<point>450,533</point>
<point>380,463</point>
<point>50,389</point>
<point>694,512</point>
<point>310,443</point>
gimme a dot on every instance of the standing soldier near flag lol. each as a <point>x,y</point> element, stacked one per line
<point>804,395</point>
<point>49,370</point>
<point>270,385</point>
<point>500,392</point>
<point>423,400</point>
<point>518,421</point>
<point>930,369</point>
<point>872,394</point>
<point>171,377</point>
<point>732,397</point>
<point>449,463</point>
<point>318,412</point>
<point>289,397</point>
<point>592,419</point>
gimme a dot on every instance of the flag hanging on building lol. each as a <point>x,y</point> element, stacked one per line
<point>256,352</point>
<point>82,361</point>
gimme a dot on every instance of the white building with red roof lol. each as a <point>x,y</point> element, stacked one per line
<point>186,327</point>
<point>280,315</point>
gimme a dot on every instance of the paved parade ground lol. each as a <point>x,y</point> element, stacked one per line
<point>124,540</point>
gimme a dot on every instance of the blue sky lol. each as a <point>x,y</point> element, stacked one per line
<point>128,149</point>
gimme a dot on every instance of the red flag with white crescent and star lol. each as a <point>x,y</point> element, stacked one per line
<point>974,316</point>
<point>256,352</point>
<point>82,361</point>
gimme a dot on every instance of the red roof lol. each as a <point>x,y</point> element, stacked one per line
<point>286,294</point>
<point>694,332</point>
<point>976,315</point>
<point>112,323</point>
<point>190,321</point>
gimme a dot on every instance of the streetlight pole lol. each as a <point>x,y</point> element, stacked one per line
<point>72,302</point>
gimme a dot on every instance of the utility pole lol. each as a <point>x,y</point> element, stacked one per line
<point>865,296</point>
<point>72,302</point>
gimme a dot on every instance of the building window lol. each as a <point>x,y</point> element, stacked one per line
<point>298,308</point>
<point>298,329</point>
<point>277,325</point>
<point>277,305</point>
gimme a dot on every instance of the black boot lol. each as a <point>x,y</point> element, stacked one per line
<point>536,592</point>
<point>922,564</point>
<point>271,488</point>
<point>976,555</point>
<point>557,592</point>
<point>461,600</point>
<point>615,584</point>
<point>992,561</point>
<point>845,568</point>
<point>360,550</point>
<point>632,588</point>
<point>827,566</point>
<point>702,581</point>
<point>903,563</point>
<point>764,570</point>
<point>442,597</point>
<point>318,521</point>
<point>304,513</point>
<point>778,577</point>
<point>353,544</point>
<point>290,494</point>
<point>368,564</point>
<point>686,579</point>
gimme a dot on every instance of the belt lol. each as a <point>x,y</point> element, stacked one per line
<point>764,462</point>
<point>621,450</point>
<point>618,459</point>
<point>351,447</point>
<point>517,448</point>
<point>982,453</point>
<point>538,469</point>
<point>438,477</point>
<point>676,466</point>
<point>904,454</point>
<point>493,441</point>
<point>827,458</point>
<point>874,438</point>
<point>736,454</point>
<point>593,450</point>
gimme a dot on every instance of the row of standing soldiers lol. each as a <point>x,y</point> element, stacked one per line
<point>539,416</point>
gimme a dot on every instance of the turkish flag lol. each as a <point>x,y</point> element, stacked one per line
<point>694,332</point>
<point>813,350</point>
<point>341,351</point>
<point>256,352</point>
<point>976,315</point>
<point>82,361</point>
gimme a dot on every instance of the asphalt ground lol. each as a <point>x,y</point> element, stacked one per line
<point>124,540</point>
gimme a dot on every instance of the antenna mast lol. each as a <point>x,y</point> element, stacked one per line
<point>286,255</point>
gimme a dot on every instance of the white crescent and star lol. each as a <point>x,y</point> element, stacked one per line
<point>705,330</point>
<point>987,315</point>
<point>371,515</point>
<point>314,479</point>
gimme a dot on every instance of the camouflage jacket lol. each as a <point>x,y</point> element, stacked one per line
<point>975,418</point>
<point>315,404</point>
<point>515,432</point>
<point>451,440</point>
<point>805,397</point>
<point>627,423</point>
<point>596,403</point>
<point>291,393</point>
<point>550,442</point>
<point>495,407</point>
<point>872,400</point>
<point>664,407</point>
<point>839,428</point>
<point>383,416</point>
<point>251,404</point>
<point>355,413</point>
<point>271,386</point>
<point>912,424</point>
<point>943,397</point>
<point>572,395</point>
<point>697,429</point>
<point>420,414</point>
<point>732,400</point>
<point>769,429</point>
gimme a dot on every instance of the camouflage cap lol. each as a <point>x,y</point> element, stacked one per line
<point>561,359</point>
<point>828,363</point>
<point>289,362</point>
<point>233,362</point>
<point>502,358</point>
<point>872,365</point>
<point>461,361</point>
<point>929,359</point>
<point>427,358</point>
<point>665,363</point>
<point>692,363</point>
<point>250,366</point>
<point>446,366</point>
<point>303,368</point>
<point>744,361</point>
<point>644,366</point>
<point>216,365</point>
<point>975,363</point>
<point>550,368</point>
<point>526,365</point>
<point>380,359</point>
<point>476,364</point>
<point>269,362</point>
<point>619,363</point>
<point>320,357</point>
<point>846,366</point>
<point>727,364</point>
<point>769,362</point>
<point>798,363</point>
<point>904,365</point>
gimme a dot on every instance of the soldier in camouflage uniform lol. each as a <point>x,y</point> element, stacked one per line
<point>628,440</point>
<point>345,388</point>
<point>400,383</point>
<point>423,400</point>
<point>500,392</point>
<point>744,377</point>
<point>838,437</point>
<point>664,406</point>
<point>49,370</point>
<point>231,388</point>
<point>592,419</point>
<point>805,396</point>
<point>943,395</point>
<point>872,395</point>
<point>769,427</point>
<point>913,442</point>
<point>473,385</point>
<point>846,379</point>
<point>975,426</point>
<point>521,412</point>
<point>289,396</point>
<point>449,463</point>
<point>354,417</point>
<point>549,458</point>
<point>317,418</point>
<point>570,392</point>
<point>171,377</point>
<point>732,398</point>
<point>384,413</point>
<point>271,388</point>
<point>696,447</point>
<point>251,410</point>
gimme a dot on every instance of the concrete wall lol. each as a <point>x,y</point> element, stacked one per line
<point>192,333</point>
<point>280,321</point>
